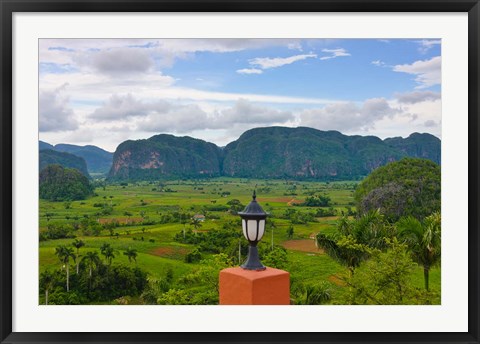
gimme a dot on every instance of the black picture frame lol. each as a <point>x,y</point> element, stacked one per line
<point>9,7</point>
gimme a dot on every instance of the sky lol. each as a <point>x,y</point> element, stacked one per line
<point>105,91</point>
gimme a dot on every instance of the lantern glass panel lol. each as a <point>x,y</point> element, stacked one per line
<point>252,230</point>
<point>261,229</point>
<point>244,227</point>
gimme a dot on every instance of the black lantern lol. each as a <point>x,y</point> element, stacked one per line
<point>253,224</point>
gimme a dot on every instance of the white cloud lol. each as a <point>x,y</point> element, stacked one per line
<point>121,107</point>
<point>121,61</point>
<point>166,50</point>
<point>426,44</point>
<point>247,113</point>
<point>339,52</point>
<point>54,111</point>
<point>177,119</point>
<point>417,97</point>
<point>430,123</point>
<point>378,63</point>
<point>249,71</point>
<point>348,116</point>
<point>427,72</point>
<point>267,62</point>
<point>184,118</point>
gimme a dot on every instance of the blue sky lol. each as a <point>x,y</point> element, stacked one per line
<point>216,89</point>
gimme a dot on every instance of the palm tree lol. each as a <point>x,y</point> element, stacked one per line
<point>131,253</point>
<point>423,240</point>
<point>343,249</point>
<point>47,280</point>
<point>184,220</point>
<point>196,224</point>
<point>92,260</point>
<point>108,252</point>
<point>64,254</point>
<point>78,243</point>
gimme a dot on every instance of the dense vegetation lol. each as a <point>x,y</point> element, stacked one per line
<point>407,187</point>
<point>51,157</point>
<point>63,184</point>
<point>182,232</point>
<point>95,279</point>
<point>273,152</point>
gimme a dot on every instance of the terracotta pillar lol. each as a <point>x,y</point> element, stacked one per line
<point>248,287</point>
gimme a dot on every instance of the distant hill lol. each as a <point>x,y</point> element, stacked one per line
<point>418,145</point>
<point>44,145</point>
<point>51,157</point>
<point>98,160</point>
<point>272,152</point>
<point>63,184</point>
<point>165,156</point>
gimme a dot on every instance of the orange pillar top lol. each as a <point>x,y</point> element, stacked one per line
<point>247,287</point>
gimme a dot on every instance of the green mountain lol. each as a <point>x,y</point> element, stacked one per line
<point>418,145</point>
<point>63,184</point>
<point>44,145</point>
<point>273,152</point>
<point>98,160</point>
<point>165,156</point>
<point>51,157</point>
<point>277,152</point>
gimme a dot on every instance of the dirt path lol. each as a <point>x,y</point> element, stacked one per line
<point>304,245</point>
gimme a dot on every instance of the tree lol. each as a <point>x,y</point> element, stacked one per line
<point>47,282</point>
<point>272,226</point>
<point>92,260</point>
<point>311,294</point>
<point>290,231</point>
<point>78,243</point>
<point>108,252</point>
<point>174,297</point>
<point>276,258</point>
<point>384,279</point>
<point>131,253</point>
<point>423,240</point>
<point>344,249</point>
<point>356,239</point>
<point>184,220</point>
<point>235,206</point>
<point>369,229</point>
<point>409,187</point>
<point>64,254</point>
<point>196,224</point>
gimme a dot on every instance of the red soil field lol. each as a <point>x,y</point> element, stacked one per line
<point>121,220</point>
<point>169,251</point>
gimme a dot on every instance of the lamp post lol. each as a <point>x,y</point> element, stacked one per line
<point>253,225</point>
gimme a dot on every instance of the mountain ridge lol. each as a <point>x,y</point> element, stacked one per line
<point>268,152</point>
<point>97,159</point>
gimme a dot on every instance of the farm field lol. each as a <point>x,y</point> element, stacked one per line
<point>147,217</point>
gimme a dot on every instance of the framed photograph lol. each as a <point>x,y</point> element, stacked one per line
<point>239,172</point>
